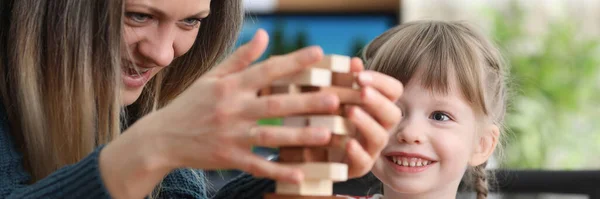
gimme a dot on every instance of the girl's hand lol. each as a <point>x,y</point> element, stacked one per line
<point>377,115</point>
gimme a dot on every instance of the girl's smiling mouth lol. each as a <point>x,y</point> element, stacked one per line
<point>409,162</point>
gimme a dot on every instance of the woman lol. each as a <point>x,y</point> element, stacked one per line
<point>68,76</point>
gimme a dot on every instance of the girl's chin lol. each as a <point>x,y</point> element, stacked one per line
<point>406,188</point>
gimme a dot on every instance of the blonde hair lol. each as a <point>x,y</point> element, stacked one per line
<point>442,50</point>
<point>60,62</point>
<point>60,70</point>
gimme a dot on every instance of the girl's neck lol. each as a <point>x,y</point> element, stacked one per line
<point>447,192</point>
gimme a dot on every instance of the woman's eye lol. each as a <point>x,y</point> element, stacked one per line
<point>138,17</point>
<point>439,116</point>
<point>193,22</point>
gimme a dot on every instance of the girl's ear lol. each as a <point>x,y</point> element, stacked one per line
<point>486,145</point>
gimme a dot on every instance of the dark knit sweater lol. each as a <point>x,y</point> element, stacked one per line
<point>246,186</point>
<point>80,180</point>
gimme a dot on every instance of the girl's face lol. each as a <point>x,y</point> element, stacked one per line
<point>431,148</point>
<point>156,32</point>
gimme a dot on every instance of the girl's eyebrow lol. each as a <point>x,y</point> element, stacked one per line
<point>448,103</point>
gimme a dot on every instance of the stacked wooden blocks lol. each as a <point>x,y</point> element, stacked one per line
<point>322,166</point>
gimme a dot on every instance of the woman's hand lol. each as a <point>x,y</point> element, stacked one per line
<point>212,125</point>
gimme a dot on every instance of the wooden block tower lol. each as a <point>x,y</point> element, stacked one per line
<point>322,166</point>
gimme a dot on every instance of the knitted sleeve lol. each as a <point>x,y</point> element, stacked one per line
<point>246,186</point>
<point>183,183</point>
<point>80,180</point>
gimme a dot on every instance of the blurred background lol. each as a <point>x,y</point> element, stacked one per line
<point>551,45</point>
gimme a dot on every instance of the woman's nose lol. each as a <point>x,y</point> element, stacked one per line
<point>158,49</point>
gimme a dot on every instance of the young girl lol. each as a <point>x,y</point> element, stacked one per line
<point>453,108</point>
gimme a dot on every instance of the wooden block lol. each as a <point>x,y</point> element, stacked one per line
<point>335,63</point>
<point>291,89</point>
<point>336,155</point>
<point>308,77</point>
<point>303,154</point>
<point>348,80</point>
<point>264,91</point>
<point>338,141</point>
<point>335,123</point>
<point>295,121</point>
<point>320,187</point>
<point>333,171</point>
<point>346,95</point>
<point>286,196</point>
<point>336,149</point>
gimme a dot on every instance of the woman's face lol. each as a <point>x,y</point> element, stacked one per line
<point>156,32</point>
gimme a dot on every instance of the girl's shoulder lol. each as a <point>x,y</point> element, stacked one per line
<point>376,196</point>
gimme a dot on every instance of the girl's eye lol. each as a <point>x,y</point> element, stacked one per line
<point>192,22</point>
<point>138,17</point>
<point>439,116</point>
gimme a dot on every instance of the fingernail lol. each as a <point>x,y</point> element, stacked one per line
<point>321,134</point>
<point>312,54</point>
<point>367,93</point>
<point>329,101</point>
<point>365,78</point>
<point>297,177</point>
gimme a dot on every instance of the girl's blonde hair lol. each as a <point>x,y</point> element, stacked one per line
<point>60,66</point>
<point>443,50</point>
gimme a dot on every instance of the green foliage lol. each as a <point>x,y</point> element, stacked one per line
<point>278,43</point>
<point>551,122</point>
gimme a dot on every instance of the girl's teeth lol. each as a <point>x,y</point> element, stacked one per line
<point>412,162</point>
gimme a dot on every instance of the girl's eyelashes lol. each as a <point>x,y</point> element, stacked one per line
<point>440,116</point>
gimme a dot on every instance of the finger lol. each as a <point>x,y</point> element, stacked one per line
<point>356,65</point>
<point>374,136</point>
<point>273,106</point>
<point>260,167</point>
<point>264,73</point>
<point>386,112</point>
<point>386,85</point>
<point>278,136</point>
<point>359,161</point>
<point>243,56</point>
